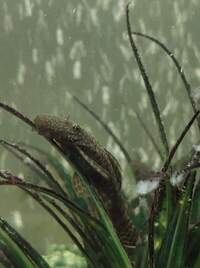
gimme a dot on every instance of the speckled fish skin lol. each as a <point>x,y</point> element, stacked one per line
<point>97,165</point>
<point>69,134</point>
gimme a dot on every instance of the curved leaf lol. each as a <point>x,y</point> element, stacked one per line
<point>21,253</point>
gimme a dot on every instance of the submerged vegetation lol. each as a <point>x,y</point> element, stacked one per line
<point>89,204</point>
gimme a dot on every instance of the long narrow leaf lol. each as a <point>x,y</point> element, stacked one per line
<point>49,177</point>
<point>178,67</point>
<point>13,180</point>
<point>193,253</point>
<point>172,252</point>
<point>115,248</point>
<point>148,86</point>
<point>18,248</point>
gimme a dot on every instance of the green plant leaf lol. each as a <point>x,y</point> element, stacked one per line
<point>172,252</point>
<point>193,253</point>
<point>111,245</point>
<point>21,253</point>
